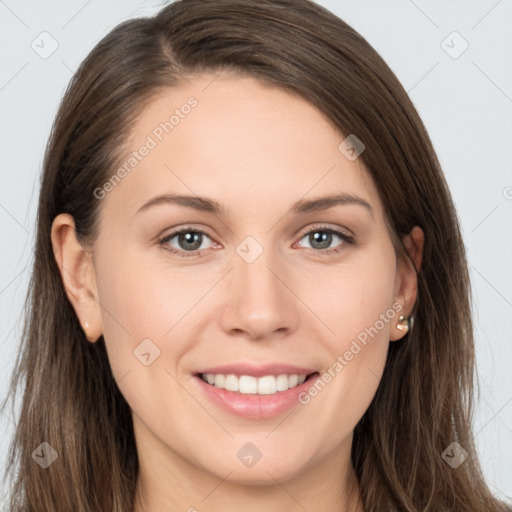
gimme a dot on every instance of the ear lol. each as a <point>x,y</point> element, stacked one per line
<point>78,275</point>
<point>407,282</point>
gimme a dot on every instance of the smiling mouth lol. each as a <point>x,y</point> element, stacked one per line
<point>248,384</point>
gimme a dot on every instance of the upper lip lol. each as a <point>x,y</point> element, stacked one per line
<point>257,371</point>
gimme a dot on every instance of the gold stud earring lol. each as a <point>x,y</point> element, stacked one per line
<point>403,323</point>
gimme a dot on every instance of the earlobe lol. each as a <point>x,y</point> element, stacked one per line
<point>77,274</point>
<point>408,279</point>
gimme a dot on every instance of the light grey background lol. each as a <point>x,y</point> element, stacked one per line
<point>464,100</point>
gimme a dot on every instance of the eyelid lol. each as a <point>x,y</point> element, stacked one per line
<point>170,232</point>
<point>325,227</point>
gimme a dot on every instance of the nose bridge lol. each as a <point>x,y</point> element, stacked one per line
<point>255,280</point>
<point>260,301</point>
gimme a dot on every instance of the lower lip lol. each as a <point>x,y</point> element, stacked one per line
<point>254,406</point>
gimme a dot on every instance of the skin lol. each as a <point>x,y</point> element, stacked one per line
<point>256,150</point>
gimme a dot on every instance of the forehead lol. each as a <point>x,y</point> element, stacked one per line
<point>238,140</point>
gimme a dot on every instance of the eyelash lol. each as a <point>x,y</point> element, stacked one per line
<point>347,239</point>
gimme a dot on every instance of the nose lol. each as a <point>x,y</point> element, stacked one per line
<point>261,304</point>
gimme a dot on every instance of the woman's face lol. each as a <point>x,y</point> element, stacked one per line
<point>276,285</point>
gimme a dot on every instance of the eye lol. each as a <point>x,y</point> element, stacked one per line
<point>321,237</point>
<point>189,240</point>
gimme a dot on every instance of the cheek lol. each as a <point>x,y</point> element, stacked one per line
<point>357,307</point>
<point>352,298</point>
<point>141,309</point>
<point>141,296</point>
<point>148,306</point>
<point>136,305</point>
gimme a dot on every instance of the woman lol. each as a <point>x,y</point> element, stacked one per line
<point>252,369</point>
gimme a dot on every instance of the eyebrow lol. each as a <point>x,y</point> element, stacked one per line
<point>300,207</point>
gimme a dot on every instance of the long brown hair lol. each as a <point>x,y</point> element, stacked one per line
<point>70,398</point>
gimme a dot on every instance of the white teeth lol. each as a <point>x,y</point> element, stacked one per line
<point>247,384</point>
<point>282,383</point>
<point>219,380</point>
<point>231,383</point>
<point>267,385</point>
